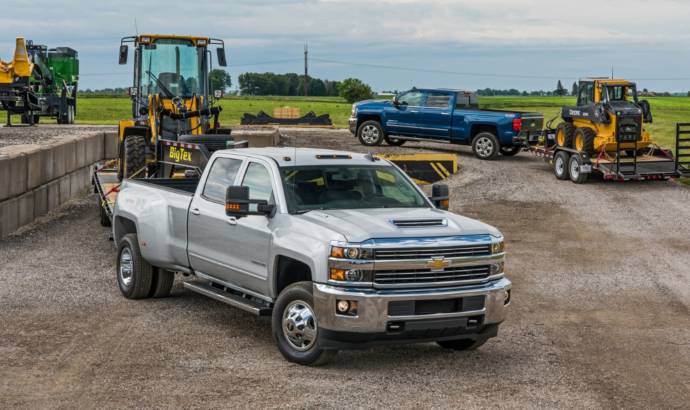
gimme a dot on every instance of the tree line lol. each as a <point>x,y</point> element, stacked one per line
<point>290,84</point>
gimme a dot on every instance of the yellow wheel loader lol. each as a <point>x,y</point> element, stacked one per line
<point>171,100</point>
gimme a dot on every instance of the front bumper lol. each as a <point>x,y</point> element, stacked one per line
<point>374,322</point>
<point>352,124</point>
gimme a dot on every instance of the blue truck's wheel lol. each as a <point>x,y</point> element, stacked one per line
<point>485,146</point>
<point>370,133</point>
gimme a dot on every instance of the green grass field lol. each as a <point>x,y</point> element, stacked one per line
<point>667,111</point>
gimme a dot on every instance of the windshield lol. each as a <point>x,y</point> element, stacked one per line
<point>620,92</point>
<point>172,67</point>
<point>348,187</point>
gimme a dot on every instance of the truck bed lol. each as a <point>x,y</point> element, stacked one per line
<point>186,185</point>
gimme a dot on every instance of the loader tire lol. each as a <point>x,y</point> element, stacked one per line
<point>584,140</point>
<point>564,135</point>
<point>134,274</point>
<point>134,155</point>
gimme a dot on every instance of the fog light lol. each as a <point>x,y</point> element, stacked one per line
<point>343,306</point>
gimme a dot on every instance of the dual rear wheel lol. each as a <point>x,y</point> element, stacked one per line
<point>566,166</point>
<point>136,278</point>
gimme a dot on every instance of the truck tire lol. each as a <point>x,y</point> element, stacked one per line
<point>574,165</point>
<point>292,314</point>
<point>510,151</point>
<point>560,165</point>
<point>485,146</point>
<point>564,134</point>
<point>396,142</point>
<point>134,274</point>
<point>370,133</point>
<point>462,344</point>
<point>134,155</point>
<point>161,283</point>
<point>583,140</point>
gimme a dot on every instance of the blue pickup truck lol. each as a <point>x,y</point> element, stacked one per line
<point>441,115</point>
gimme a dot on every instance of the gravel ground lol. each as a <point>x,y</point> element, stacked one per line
<point>599,319</point>
<point>44,134</point>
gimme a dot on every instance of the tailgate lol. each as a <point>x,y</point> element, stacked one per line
<point>532,122</point>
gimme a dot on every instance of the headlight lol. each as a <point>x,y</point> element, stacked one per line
<point>498,247</point>
<point>354,110</point>
<point>349,253</point>
<point>349,275</point>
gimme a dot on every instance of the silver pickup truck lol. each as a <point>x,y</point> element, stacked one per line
<point>342,249</point>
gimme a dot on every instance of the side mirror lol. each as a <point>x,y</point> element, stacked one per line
<point>123,54</point>
<point>220,52</point>
<point>440,195</point>
<point>395,101</point>
<point>238,204</point>
<point>218,94</point>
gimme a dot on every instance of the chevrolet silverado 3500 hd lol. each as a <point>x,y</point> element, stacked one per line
<point>342,249</point>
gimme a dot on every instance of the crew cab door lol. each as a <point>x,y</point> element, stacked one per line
<point>402,119</point>
<point>208,228</point>
<point>436,114</point>
<point>233,250</point>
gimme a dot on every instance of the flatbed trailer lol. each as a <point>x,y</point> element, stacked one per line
<point>621,165</point>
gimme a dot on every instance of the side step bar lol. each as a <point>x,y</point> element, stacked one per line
<point>228,298</point>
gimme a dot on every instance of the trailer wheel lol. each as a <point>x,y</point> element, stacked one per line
<point>296,328</point>
<point>161,283</point>
<point>105,221</point>
<point>134,155</point>
<point>485,146</point>
<point>370,133</point>
<point>564,134</point>
<point>134,274</point>
<point>560,165</point>
<point>574,166</point>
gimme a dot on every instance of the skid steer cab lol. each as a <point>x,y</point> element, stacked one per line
<point>171,99</point>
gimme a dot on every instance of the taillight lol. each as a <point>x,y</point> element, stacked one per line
<point>517,124</point>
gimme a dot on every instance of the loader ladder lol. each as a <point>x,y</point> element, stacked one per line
<point>630,167</point>
<point>683,148</point>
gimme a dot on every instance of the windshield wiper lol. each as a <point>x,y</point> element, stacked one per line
<point>162,86</point>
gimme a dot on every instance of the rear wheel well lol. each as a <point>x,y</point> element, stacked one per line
<point>476,129</point>
<point>123,226</point>
<point>289,271</point>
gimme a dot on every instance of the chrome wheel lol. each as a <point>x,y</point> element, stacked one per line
<point>370,134</point>
<point>126,267</point>
<point>484,147</point>
<point>299,325</point>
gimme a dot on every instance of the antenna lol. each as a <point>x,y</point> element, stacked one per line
<point>612,71</point>
<point>306,69</point>
<point>136,27</point>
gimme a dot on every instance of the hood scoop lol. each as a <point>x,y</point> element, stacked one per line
<point>419,223</point>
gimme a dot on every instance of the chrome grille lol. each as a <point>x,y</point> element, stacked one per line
<point>425,253</point>
<point>427,276</point>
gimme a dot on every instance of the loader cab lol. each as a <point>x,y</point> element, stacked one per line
<point>171,67</point>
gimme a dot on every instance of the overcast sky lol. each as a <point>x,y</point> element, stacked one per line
<point>391,44</point>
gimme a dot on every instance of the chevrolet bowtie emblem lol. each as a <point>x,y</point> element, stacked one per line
<point>438,263</point>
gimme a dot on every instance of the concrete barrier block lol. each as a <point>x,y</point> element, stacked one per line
<point>53,194</point>
<point>110,145</point>
<point>79,180</point>
<point>48,163</point>
<point>65,184</point>
<point>59,162</point>
<point>81,159</point>
<point>26,208</point>
<point>9,216</point>
<point>36,166</point>
<point>257,136</point>
<point>94,148</point>
<point>41,201</point>
<point>13,171</point>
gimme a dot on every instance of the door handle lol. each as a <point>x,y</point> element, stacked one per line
<point>195,211</point>
<point>232,220</point>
